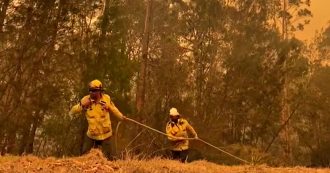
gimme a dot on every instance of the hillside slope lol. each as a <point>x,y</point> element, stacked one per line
<point>95,162</point>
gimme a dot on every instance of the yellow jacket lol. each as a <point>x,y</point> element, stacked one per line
<point>179,129</point>
<point>97,114</point>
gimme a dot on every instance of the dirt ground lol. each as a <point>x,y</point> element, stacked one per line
<point>94,162</point>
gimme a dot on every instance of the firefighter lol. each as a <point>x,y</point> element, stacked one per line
<point>97,106</point>
<point>177,129</point>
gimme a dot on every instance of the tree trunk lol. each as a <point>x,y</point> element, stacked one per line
<point>30,140</point>
<point>24,139</point>
<point>286,132</point>
<point>103,27</point>
<point>11,142</point>
<point>285,20</point>
<point>141,83</point>
<point>35,124</point>
<point>3,12</point>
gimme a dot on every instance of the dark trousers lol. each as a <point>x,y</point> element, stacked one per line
<point>92,143</point>
<point>180,155</point>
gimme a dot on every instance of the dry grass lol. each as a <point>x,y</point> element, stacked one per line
<point>95,162</point>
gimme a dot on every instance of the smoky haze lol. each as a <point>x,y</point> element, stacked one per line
<point>231,68</point>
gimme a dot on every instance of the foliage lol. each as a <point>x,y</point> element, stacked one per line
<point>223,63</point>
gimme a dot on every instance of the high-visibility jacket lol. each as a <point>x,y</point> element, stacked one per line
<point>97,114</point>
<point>179,129</point>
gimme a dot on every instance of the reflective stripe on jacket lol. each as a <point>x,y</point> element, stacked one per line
<point>179,129</point>
<point>98,118</point>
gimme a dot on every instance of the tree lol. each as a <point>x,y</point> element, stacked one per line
<point>142,77</point>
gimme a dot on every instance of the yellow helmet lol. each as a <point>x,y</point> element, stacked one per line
<point>95,85</point>
<point>174,112</point>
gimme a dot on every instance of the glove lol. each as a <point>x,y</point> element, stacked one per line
<point>85,102</point>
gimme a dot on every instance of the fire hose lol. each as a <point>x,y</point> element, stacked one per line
<point>197,139</point>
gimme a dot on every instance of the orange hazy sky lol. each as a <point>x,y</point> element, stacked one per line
<point>321,17</point>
